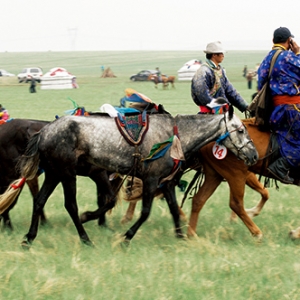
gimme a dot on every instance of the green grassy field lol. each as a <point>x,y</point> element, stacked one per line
<point>225,262</point>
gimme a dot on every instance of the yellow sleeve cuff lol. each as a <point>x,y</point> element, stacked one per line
<point>297,53</point>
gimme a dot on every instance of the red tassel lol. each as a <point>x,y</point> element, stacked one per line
<point>21,183</point>
<point>175,130</point>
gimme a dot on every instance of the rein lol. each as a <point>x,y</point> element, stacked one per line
<point>227,134</point>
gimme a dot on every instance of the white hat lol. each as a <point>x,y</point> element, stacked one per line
<point>214,47</point>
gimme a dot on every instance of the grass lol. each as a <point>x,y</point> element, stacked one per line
<point>224,262</point>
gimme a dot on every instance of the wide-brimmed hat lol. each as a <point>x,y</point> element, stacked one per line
<point>281,34</point>
<point>214,47</point>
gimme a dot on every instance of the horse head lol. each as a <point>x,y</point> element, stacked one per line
<point>237,139</point>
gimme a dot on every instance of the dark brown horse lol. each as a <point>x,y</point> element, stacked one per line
<point>165,80</point>
<point>14,136</point>
<point>237,174</point>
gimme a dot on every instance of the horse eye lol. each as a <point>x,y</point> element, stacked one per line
<point>241,130</point>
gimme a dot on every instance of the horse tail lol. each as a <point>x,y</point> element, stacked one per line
<point>29,165</point>
<point>29,162</point>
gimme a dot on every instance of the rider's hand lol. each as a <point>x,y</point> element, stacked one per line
<point>294,46</point>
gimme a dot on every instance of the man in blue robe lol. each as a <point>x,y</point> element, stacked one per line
<point>285,91</point>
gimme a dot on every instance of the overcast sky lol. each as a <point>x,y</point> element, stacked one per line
<point>64,25</point>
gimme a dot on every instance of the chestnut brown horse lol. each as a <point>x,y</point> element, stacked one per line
<point>165,80</point>
<point>236,174</point>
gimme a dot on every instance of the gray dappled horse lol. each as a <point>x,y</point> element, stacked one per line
<point>60,146</point>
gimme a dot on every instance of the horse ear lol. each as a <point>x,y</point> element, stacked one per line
<point>231,110</point>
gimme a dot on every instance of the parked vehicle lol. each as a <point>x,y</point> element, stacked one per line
<point>5,73</point>
<point>142,75</point>
<point>35,72</point>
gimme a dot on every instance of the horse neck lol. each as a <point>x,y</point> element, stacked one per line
<point>260,139</point>
<point>196,131</point>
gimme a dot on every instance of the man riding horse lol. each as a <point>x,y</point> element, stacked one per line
<point>210,82</point>
<point>284,83</point>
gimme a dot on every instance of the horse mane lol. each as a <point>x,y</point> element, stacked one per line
<point>221,101</point>
<point>98,114</point>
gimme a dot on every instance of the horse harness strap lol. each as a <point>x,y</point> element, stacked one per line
<point>270,155</point>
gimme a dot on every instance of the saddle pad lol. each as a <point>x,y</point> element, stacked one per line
<point>133,127</point>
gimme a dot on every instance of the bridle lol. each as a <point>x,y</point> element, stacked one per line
<point>227,135</point>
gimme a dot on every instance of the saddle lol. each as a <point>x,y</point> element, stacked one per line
<point>133,126</point>
<point>133,121</point>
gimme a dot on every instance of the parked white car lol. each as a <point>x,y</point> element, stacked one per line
<point>5,73</point>
<point>35,72</point>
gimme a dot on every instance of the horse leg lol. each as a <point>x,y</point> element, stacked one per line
<point>103,204</point>
<point>34,189</point>
<point>131,208</point>
<point>237,187</point>
<point>211,182</point>
<point>6,220</point>
<point>182,215</point>
<point>149,189</point>
<point>129,213</point>
<point>169,193</point>
<point>106,198</point>
<point>69,187</point>
<point>39,202</point>
<point>105,190</point>
<point>253,182</point>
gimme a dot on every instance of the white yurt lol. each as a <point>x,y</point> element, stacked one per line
<point>187,71</point>
<point>58,78</point>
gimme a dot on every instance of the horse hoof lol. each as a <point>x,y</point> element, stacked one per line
<point>180,236</point>
<point>125,243</point>
<point>258,237</point>
<point>25,245</point>
<point>295,234</point>
<point>125,220</point>
<point>88,243</point>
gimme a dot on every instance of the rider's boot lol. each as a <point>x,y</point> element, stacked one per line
<point>280,168</point>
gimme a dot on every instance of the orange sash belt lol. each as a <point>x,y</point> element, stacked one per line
<point>286,99</point>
